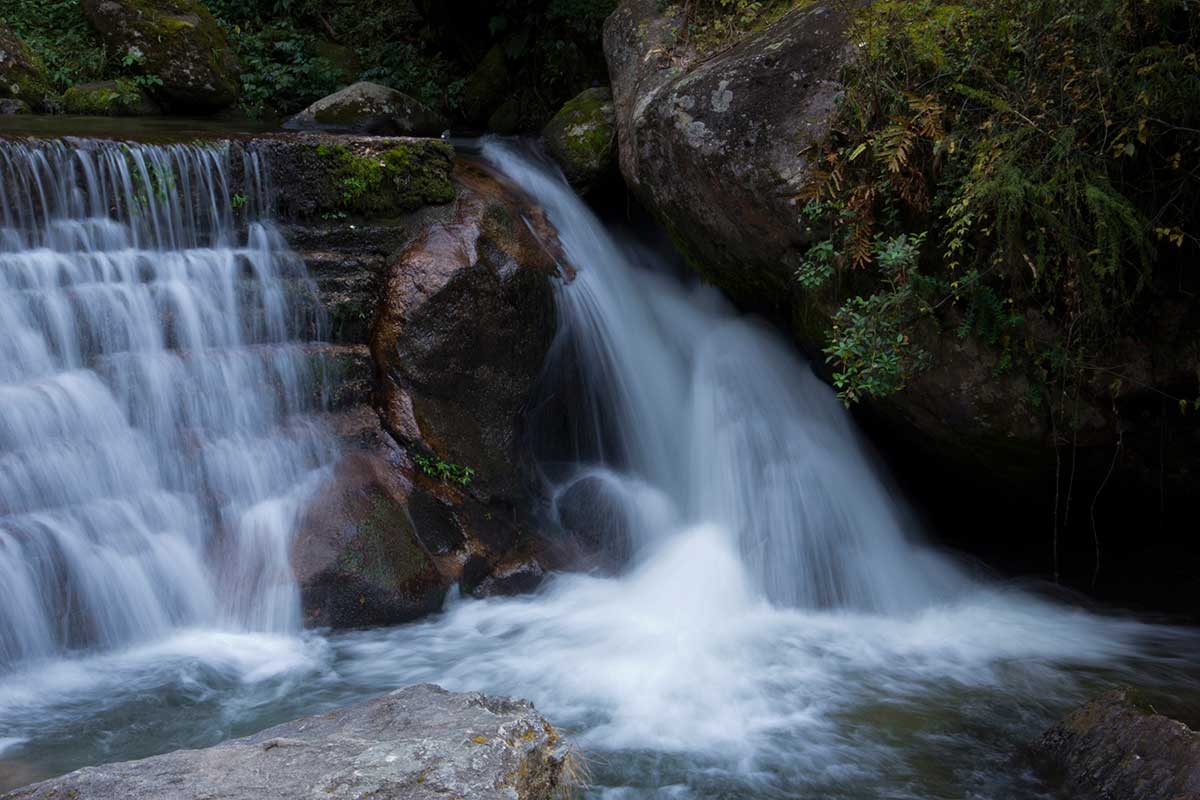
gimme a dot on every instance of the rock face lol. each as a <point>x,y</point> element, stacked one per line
<point>417,743</point>
<point>178,41</point>
<point>109,98</point>
<point>467,317</point>
<point>1116,747</point>
<point>582,137</point>
<point>439,316</point>
<point>22,74</point>
<point>369,108</point>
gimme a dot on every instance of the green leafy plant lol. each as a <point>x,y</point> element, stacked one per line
<point>443,471</point>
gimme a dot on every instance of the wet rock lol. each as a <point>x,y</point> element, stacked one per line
<point>465,321</point>
<point>594,514</point>
<point>356,554</point>
<point>582,137</point>
<point>417,743</point>
<point>178,41</point>
<point>23,77</point>
<point>1117,747</point>
<point>369,108</point>
<point>318,177</point>
<point>118,98</point>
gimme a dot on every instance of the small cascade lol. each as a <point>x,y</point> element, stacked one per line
<point>156,396</point>
<point>724,421</point>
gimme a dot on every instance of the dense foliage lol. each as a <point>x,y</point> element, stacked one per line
<point>1051,150</point>
<point>293,52</point>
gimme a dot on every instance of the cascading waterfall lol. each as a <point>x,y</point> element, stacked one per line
<point>727,424</point>
<point>778,630</point>
<point>154,443</point>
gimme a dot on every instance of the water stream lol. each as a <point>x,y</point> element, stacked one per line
<point>779,631</point>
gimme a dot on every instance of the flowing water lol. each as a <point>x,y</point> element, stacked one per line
<point>779,630</point>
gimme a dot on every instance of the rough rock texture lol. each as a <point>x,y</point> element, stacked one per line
<point>22,73</point>
<point>365,107</point>
<point>716,146</point>
<point>109,98</point>
<point>582,137</point>
<point>417,743</point>
<point>11,105</point>
<point>1117,748</point>
<point>466,321</point>
<point>384,539</point>
<point>177,40</point>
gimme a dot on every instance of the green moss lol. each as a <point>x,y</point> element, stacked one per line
<point>23,74</point>
<point>110,98</point>
<point>403,178</point>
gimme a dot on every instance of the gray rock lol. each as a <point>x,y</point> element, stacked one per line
<point>1117,748</point>
<point>23,76</point>
<point>417,743</point>
<point>369,108</point>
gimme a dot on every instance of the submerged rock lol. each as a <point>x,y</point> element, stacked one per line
<point>370,108</point>
<point>23,76</point>
<point>108,98</point>
<point>416,743</point>
<point>179,42</point>
<point>582,137</point>
<point>1117,747</point>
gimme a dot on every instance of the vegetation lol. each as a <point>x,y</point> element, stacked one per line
<point>1051,150</point>
<point>443,471</point>
<point>403,178</point>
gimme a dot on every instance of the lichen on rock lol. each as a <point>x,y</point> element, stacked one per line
<point>366,107</point>
<point>582,137</point>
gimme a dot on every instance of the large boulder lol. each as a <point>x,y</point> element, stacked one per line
<point>369,108</point>
<point>176,41</point>
<point>417,743</point>
<point>466,320</point>
<point>23,75</point>
<point>1117,747</point>
<point>582,137</point>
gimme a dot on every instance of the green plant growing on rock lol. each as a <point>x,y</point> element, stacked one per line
<point>403,178</point>
<point>443,471</point>
<point>1052,151</point>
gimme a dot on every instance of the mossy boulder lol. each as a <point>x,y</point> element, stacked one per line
<point>369,108</point>
<point>582,137</point>
<point>177,42</point>
<point>22,74</point>
<point>403,177</point>
<point>120,98</point>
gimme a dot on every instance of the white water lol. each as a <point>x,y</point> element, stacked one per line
<point>152,452</point>
<point>779,632</point>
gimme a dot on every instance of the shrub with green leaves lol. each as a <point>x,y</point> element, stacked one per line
<point>1050,147</point>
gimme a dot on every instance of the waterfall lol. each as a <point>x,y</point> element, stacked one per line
<point>156,398</point>
<point>728,424</point>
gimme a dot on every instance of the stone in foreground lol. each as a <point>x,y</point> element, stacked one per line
<point>415,743</point>
<point>1117,748</point>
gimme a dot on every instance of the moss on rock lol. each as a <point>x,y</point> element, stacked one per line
<point>119,98</point>
<point>582,137</point>
<point>177,43</point>
<point>22,73</point>
<point>405,177</point>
